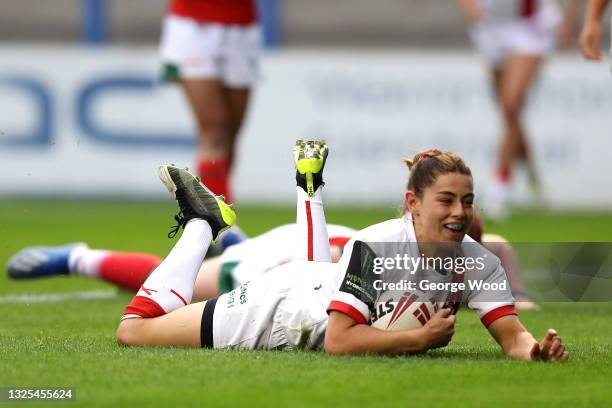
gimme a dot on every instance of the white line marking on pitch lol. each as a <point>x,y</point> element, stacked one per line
<point>59,297</point>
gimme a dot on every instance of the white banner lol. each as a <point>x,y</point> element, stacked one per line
<point>96,122</point>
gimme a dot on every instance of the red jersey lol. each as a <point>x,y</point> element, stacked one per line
<point>228,12</point>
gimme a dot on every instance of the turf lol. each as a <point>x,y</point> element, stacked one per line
<point>71,343</point>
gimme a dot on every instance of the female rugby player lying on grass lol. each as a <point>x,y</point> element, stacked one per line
<point>239,263</point>
<point>310,302</point>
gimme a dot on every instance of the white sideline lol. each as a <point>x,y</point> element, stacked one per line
<point>59,297</point>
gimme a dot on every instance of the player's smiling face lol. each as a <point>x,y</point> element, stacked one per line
<point>444,212</point>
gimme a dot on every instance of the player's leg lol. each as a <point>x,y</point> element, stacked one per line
<point>238,72</point>
<point>237,100</point>
<point>207,283</point>
<point>207,101</point>
<point>503,170</point>
<point>504,251</point>
<point>170,286</point>
<point>512,83</point>
<point>191,54</point>
<point>218,170</point>
<point>180,328</point>
<point>125,269</point>
<point>519,73</point>
<point>312,241</point>
<point>496,81</point>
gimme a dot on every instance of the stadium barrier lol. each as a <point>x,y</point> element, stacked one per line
<point>96,122</point>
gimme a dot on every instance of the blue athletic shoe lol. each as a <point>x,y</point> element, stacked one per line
<point>36,262</point>
<point>232,236</point>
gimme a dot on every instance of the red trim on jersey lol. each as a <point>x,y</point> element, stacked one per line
<point>350,311</point>
<point>528,8</point>
<point>227,12</point>
<point>495,314</point>
<point>309,225</point>
<point>179,296</point>
<point>144,307</point>
<point>339,241</point>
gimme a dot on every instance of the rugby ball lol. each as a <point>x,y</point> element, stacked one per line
<point>396,310</point>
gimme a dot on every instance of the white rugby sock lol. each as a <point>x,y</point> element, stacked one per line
<point>86,262</point>
<point>170,285</point>
<point>311,242</point>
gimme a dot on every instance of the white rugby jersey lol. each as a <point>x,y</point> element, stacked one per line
<point>362,273</point>
<point>260,254</point>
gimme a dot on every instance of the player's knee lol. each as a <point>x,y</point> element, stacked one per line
<point>511,107</point>
<point>215,121</point>
<point>127,333</point>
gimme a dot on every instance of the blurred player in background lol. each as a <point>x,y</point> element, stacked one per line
<point>514,36</point>
<point>502,248</point>
<point>210,47</point>
<point>590,38</point>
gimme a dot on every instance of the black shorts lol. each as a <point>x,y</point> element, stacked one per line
<point>206,327</point>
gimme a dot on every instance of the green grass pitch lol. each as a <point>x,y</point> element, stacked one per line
<point>71,343</point>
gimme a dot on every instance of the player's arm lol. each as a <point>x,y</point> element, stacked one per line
<point>571,21</point>
<point>346,336</point>
<point>590,38</point>
<point>347,330</point>
<point>517,343</point>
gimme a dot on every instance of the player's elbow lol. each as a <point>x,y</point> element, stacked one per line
<point>334,347</point>
<point>338,344</point>
<point>339,336</point>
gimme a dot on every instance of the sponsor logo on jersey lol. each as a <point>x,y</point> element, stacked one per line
<point>240,293</point>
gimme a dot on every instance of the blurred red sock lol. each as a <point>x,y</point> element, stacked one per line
<point>215,175</point>
<point>503,174</point>
<point>127,269</point>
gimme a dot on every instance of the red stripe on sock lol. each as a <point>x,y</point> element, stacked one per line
<point>310,238</point>
<point>144,307</point>
<point>179,296</point>
<point>127,269</point>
